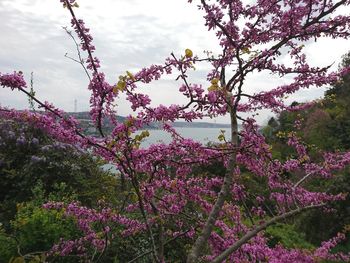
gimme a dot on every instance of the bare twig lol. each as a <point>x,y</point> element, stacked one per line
<point>301,181</point>
<point>81,60</point>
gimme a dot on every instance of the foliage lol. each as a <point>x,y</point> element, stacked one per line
<point>288,236</point>
<point>219,215</point>
<point>8,246</point>
<point>34,230</point>
<point>28,156</point>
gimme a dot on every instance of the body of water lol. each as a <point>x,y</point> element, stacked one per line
<point>203,135</point>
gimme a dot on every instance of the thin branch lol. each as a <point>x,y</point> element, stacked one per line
<point>143,213</point>
<point>165,243</point>
<point>99,118</point>
<point>301,181</point>
<point>80,61</point>
<point>224,255</point>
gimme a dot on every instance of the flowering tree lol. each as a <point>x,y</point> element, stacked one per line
<point>218,216</point>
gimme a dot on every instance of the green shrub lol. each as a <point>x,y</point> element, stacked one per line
<point>287,236</point>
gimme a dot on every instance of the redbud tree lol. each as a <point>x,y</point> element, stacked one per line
<point>217,217</point>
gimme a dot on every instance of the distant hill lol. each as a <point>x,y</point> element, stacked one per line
<point>88,127</point>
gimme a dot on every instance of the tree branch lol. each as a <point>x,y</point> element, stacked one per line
<point>201,241</point>
<point>224,255</point>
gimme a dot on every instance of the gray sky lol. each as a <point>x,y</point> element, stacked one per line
<point>128,35</point>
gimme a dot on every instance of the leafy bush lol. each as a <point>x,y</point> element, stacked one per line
<point>288,236</point>
<point>34,230</point>
<point>28,155</point>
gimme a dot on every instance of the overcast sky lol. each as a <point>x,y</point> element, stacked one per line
<point>128,35</point>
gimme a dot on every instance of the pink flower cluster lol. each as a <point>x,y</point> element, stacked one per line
<point>13,81</point>
<point>88,221</point>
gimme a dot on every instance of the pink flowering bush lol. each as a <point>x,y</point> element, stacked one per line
<point>217,216</point>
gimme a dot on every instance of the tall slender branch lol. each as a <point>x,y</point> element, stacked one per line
<point>201,241</point>
<point>99,118</point>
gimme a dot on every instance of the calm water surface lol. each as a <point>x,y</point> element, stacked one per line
<point>203,135</point>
